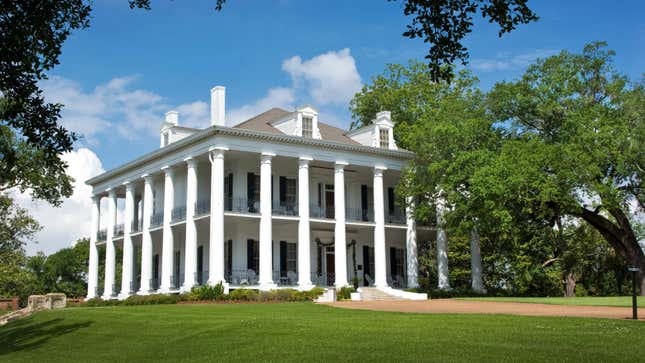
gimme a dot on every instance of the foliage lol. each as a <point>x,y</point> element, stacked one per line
<point>295,332</point>
<point>345,292</point>
<point>208,292</point>
<point>32,34</point>
<point>564,141</point>
<point>16,228</point>
<point>153,299</point>
<point>445,23</point>
<point>243,294</point>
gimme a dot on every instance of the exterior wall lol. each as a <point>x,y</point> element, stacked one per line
<point>365,137</point>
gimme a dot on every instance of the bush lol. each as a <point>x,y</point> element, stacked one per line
<point>243,295</point>
<point>154,299</point>
<point>344,293</point>
<point>207,292</point>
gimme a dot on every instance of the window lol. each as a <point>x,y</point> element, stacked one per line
<point>307,127</point>
<point>287,192</point>
<point>384,136</point>
<point>390,201</point>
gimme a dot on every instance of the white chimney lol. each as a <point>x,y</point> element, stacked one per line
<point>218,102</point>
<point>172,117</point>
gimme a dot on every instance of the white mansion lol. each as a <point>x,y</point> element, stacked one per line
<point>281,199</point>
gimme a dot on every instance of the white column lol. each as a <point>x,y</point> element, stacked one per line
<point>93,270</point>
<point>146,238</point>
<point>127,272</point>
<point>476,261</point>
<point>304,244</point>
<point>380,273</point>
<point>216,249</point>
<point>340,245</point>
<point>266,265</point>
<point>108,289</point>
<point>191,232</point>
<point>442,247</point>
<point>168,245</point>
<point>411,244</point>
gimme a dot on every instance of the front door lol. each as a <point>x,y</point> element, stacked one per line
<point>331,268</point>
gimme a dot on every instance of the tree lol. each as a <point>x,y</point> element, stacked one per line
<point>445,23</point>
<point>32,34</point>
<point>16,228</point>
<point>565,140</point>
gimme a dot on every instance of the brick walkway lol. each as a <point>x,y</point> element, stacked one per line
<point>449,306</point>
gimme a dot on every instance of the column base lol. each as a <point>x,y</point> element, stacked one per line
<point>305,287</point>
<point>90,297</point>
<point>341,284</point>
<point>124,295</point>
<point>144,292</point>
<point>186,288</point>
<point>266,286</point>
<point>108,297</point>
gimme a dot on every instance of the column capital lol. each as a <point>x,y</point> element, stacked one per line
<point>340,165</point>
<point>96,198</point>
<point>266,157</point>
<point>146,177</point>
<point>129,185</point>
<point>191,163</point>
<point>379,169</point>
<point>168,170</point>
<point>111,192</point>
<point>216,152</point>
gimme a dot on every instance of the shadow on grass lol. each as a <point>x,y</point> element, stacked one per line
<point>26,334</point>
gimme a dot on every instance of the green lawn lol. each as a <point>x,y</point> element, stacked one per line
<point>309,332</point>
<point>625,301</point>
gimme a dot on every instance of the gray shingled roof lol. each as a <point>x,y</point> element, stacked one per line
<point>262,122</point>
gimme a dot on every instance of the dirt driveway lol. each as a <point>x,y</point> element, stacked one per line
<point>449,306</point>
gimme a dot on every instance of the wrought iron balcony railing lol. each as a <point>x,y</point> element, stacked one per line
<point>359,215</point>
<point>137,226</point>
<point>178,214</point>
<point>101,235</point>
<point>284,208</point>
<point>156,220</point>
<point>395,217</point>
<point>316,211</point>
<point>118,230</point>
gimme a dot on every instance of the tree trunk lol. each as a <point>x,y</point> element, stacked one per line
<point>477,283</point>
<point>620,236</point>
<point>570,285</point>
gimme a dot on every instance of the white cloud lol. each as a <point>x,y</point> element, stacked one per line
<point>63,225</point>
<point>331,78</point>
<point>116,105</point>
<point>506,61</point>
<point>281,97</point>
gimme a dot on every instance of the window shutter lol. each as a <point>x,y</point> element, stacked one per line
<point>390,200</point>
<point>283,190</point>
<point>392,262</point>
<point>283,258</point>
<point>249,254</point>
<point>364,201</point>
<point>250,185</point>
<point>366,264</point>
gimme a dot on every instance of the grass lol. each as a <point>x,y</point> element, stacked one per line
<point>309,332</point>
<point>623,301</point>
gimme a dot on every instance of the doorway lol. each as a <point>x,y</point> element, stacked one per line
<point>331,268</point>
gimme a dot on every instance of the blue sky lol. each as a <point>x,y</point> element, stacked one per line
<point>118,77</point>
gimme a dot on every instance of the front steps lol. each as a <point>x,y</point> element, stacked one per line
<point>374,294</point>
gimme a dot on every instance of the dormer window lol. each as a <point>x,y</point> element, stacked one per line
<point>384,138</point>
<point>307,127</point>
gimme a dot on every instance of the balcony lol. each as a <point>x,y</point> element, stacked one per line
<point>317,211</point>
<point>202,207</point>
<point>359,215</point>
<point>395,217</point>
<point>137,226</point>
<point>156,220</point>
<point>284,208</point>
<point>242,205</point>
<point>178,214</point>
<point>101,235</point>
<point>118,230</point>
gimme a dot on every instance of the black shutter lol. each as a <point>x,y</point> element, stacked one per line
<point>364,201</point>
<point>392,262</point>
<point>366,264</point>
<point>320,194</point>
<point>200,264</point>
<point>250,191</point>
<point>283,258</point>
<point>229,261</point>
<point>283,190</point>
<point>390,200</point>
<point>249,255</point>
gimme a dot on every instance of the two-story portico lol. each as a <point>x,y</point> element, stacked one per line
<point>278,200</point>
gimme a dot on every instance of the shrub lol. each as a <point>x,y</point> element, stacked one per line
<point>314,293</point>
<point>154,299</point>
<point>207,292</point>
<point>243,295</point>
<point>344,293</point>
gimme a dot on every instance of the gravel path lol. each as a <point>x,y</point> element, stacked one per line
<point>449,306</point>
